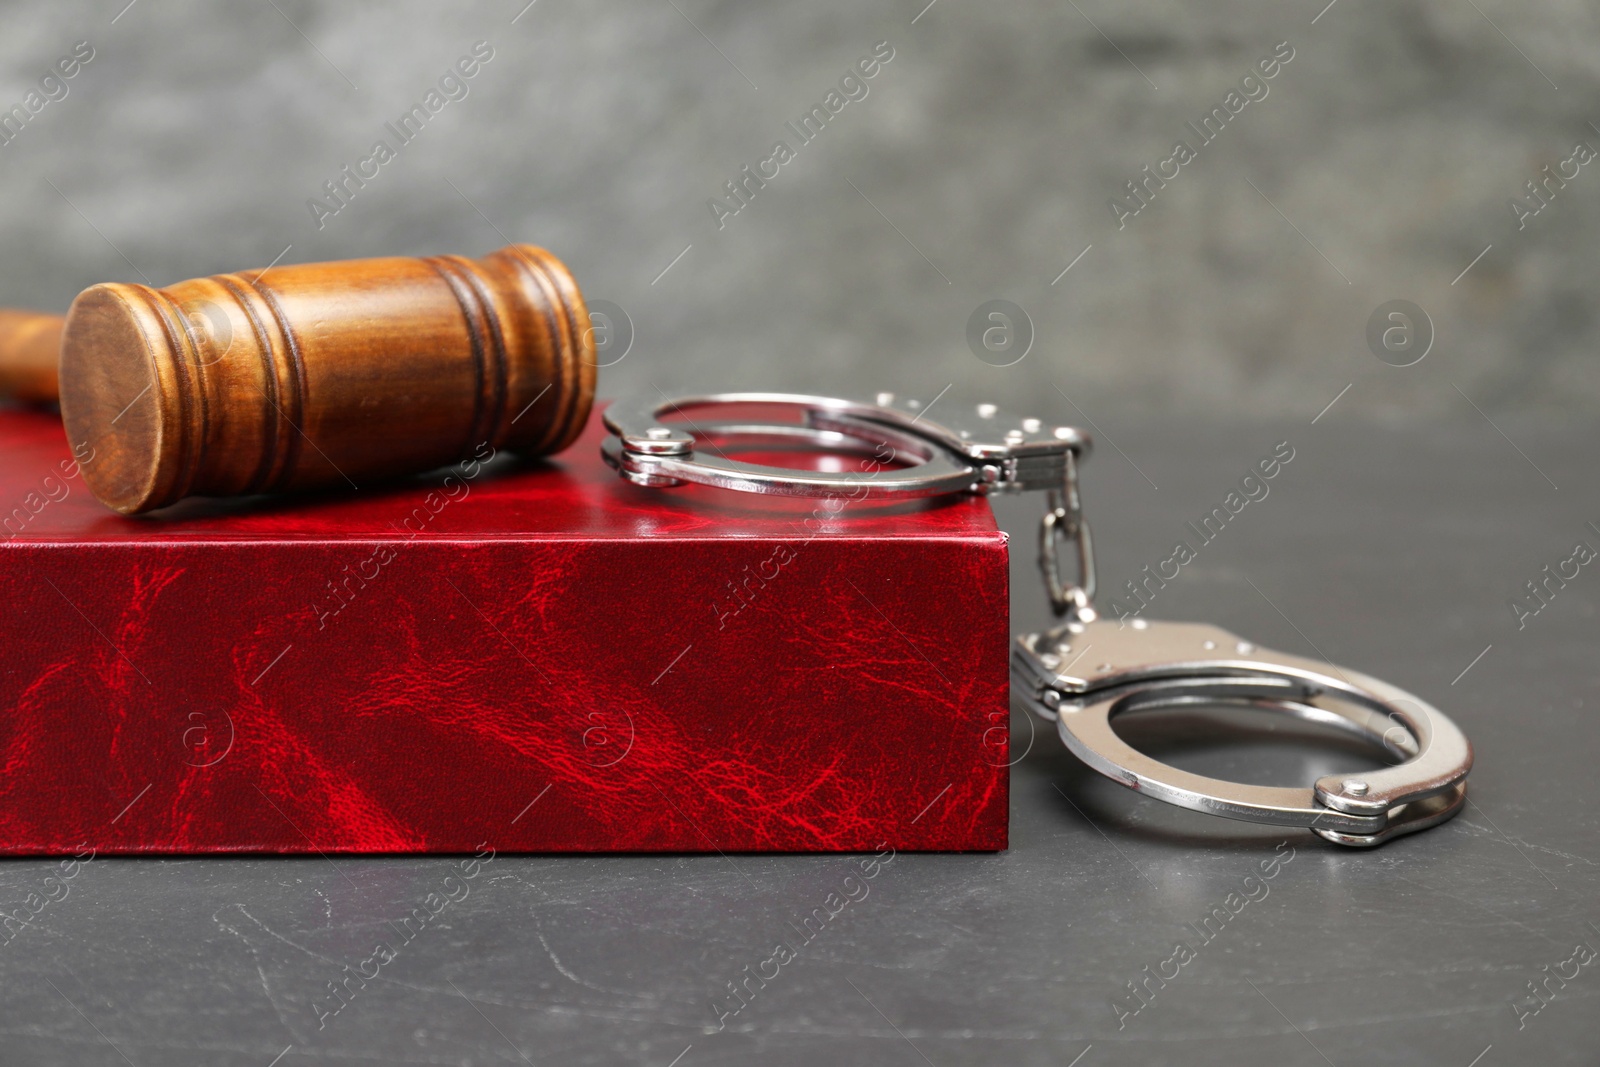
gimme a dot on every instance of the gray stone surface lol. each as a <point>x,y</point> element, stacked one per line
<point>1396,553</point>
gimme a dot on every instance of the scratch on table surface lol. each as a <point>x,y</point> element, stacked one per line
<point>1461,824</point>
<point>264,1052</point>
<point>501,877</point>
<point>266,986</point>
<point>1186,1035</point>
<point>255,956</point>
<point>480,997</point>
<point>1385,1019</point>
<point>1501,919</point>
<point>906,1032</point>
<point>587,985</point>
<point>264,928</point>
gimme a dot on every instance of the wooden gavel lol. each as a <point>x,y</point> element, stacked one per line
<point>312,375</point>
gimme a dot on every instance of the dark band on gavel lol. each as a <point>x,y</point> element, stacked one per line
<point>308,376</point>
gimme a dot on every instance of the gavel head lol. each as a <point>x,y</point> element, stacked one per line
<point>323,374</point>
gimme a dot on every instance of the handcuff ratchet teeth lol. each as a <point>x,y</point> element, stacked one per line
<point>1087,671</point>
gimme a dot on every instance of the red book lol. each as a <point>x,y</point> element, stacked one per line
<point>533,656</point>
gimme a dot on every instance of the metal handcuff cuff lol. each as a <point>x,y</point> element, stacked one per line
<point>1088,670</point>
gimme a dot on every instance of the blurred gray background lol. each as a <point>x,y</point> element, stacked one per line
<point>983,161</point>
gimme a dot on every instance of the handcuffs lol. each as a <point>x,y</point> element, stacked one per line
<point>1088,670</point>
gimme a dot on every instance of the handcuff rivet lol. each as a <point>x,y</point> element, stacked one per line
<point>658,433</point>
<point>1244,648</point>
<point>1208,645</point>
<point>1356,788</point>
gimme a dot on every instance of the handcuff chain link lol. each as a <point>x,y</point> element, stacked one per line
<point>1063,521</point>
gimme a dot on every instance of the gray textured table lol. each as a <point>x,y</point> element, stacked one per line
<point>1395,551</point>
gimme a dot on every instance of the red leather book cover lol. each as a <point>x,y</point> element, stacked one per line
<point>536,656</point>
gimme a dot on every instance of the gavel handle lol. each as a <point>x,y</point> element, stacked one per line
<point>30,352</point>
